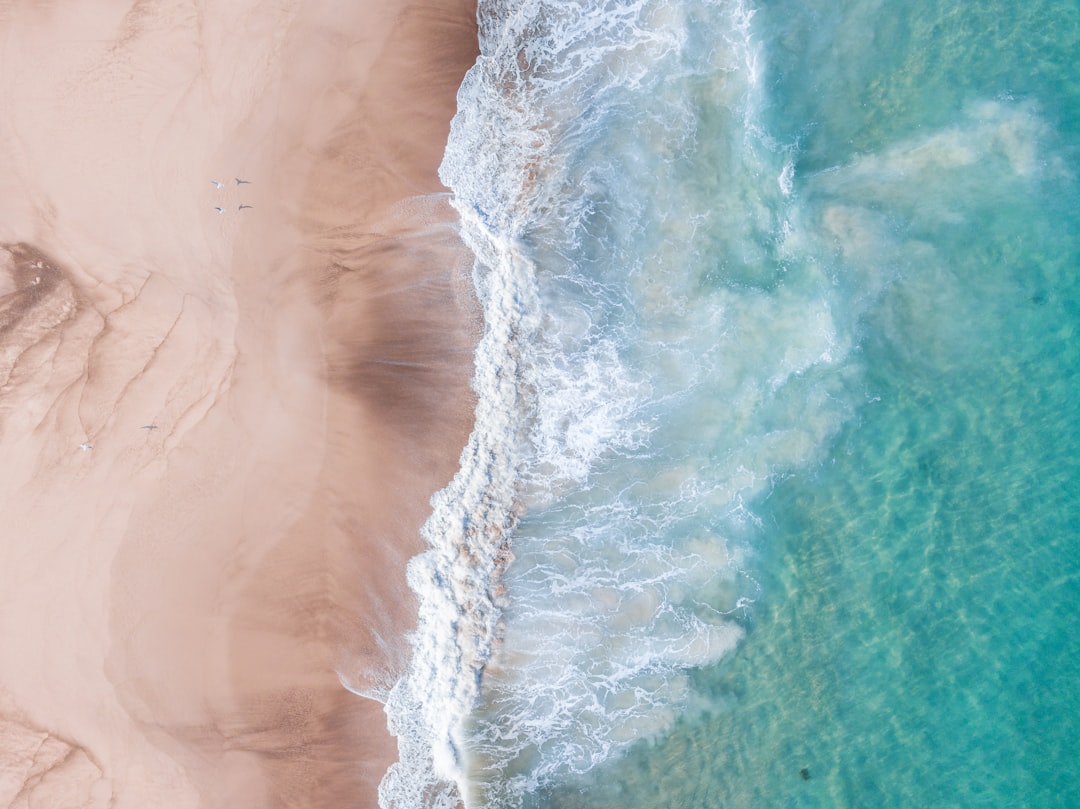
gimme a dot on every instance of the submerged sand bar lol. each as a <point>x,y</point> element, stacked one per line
<point>265,397</point>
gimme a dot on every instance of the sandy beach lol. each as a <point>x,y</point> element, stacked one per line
<point>220,426</point>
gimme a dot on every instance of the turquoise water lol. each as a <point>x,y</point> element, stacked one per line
<point>774,496</point>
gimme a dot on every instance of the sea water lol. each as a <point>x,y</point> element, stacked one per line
<point>773,497</point>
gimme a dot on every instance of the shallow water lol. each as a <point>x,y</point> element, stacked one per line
<point>773,495</point>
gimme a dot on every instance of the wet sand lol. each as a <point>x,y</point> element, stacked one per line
<point>268,396</point>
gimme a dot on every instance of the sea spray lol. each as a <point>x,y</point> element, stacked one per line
<point>634,396</point>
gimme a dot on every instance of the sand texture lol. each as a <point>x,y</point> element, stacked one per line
<point>219,431</point>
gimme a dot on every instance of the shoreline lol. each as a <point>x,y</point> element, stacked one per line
<point>271,394</point>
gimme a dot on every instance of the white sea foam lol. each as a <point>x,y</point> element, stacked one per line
<point>498,164</point>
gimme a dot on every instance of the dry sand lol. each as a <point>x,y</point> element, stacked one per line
<point>271,394</point>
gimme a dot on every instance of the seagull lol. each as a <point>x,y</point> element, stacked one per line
<point>85,446</point>
<point>219,209</point>
<point>217,183</point>
<point>242,182</point>
<point>245,206</point>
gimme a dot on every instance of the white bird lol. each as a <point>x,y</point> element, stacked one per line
<point>217,183</point>
<point>218,209</point>
<point>85,446</point>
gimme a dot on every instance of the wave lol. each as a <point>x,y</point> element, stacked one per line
<point>657,349</point>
